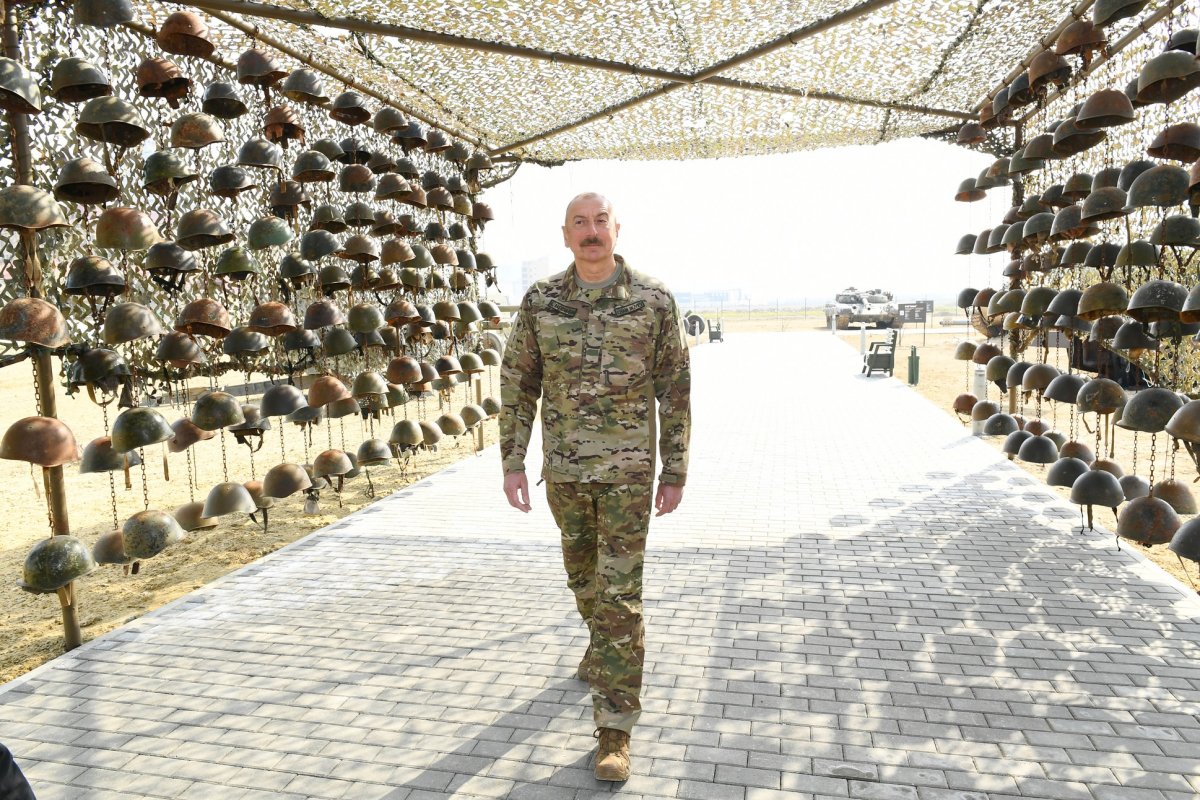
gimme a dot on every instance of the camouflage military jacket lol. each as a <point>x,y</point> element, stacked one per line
<point>597,359</point>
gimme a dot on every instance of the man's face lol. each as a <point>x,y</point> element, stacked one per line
<point>590,230</point>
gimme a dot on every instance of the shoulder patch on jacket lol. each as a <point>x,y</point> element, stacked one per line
<point>561,308</point>
<point>629,308</point>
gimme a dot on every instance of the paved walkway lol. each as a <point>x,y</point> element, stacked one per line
<point>856,599</point>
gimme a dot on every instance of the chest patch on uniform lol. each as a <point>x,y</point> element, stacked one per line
<point>625,310</point>
<point>562,308</point>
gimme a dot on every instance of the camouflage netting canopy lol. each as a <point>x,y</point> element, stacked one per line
<point>668,79</point>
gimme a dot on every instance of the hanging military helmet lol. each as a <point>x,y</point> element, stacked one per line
<point>92,276</point>
<point>126,322</point>
<point>230,180</point>
<point>179,350</point>
<point>123,228</point>
<point>385,224</point>
<point>312,166</point>
<point>259,68</point>
<point>350,108</point>
<point>1148,521</point>
<point>392,187</point>
<point>1105,109</point>
<point>237,264</point>
<point>269,231</point>
<point>304,86</point>
<point>85,181</point>
<point>326,389</point>
<point>148,533</point>
<point>201,228</point>
<point>29,209</point>
<point>185,33</point>
<point>19,92</point>
<point>222,100</point>
<point>195,131</point>
<point>284,480</point>
<point>32,320</point>
<point>75,80</point>
<point>281,400</point>
<point>190,517</point>
<point>245,343</point>
<point>272,319</point>
<point>1178,142</point>
<point>164,172</point>
<point>215,410</point>
<point>53,563</point>
<point>410,138</point>
<point>356,178</point>
<point>322,314</point>
<point>1167,77</point>
<point>99,456</point>
<point>44,441</point>
<point>204,317</point>
<point>112,120</point>
<point>283,125</point>
<point>160,77</point>
<point>359,215</point>
<point>138,427</point>
<point>1149,410</point>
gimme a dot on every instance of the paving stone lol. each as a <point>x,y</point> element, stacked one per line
<point>930,628</point>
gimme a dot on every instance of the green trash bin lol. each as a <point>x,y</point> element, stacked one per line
<point>914,366</point>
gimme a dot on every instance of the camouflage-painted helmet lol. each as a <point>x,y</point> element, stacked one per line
<point>139,427</point>
<point>54,562</point>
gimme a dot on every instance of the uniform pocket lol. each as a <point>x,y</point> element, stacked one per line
<point>628,345</point>
<point>561,339</point>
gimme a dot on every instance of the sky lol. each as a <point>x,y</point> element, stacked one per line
<point>794,227</point>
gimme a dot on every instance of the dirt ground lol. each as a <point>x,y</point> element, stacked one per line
<point>31,631</point>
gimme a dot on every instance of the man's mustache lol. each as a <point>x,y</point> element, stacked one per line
<point>591,240</point>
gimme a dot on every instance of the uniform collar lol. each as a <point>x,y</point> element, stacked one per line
<point>619,290</point>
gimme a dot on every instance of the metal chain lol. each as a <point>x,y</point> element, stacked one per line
<point>1153,449</point>
<point>282,444</point>
<point>145,485</point>
<point>224,458</point>
<point>191,475</point>
<point>1135,443</point>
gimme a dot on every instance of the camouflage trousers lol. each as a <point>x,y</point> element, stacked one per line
<point>604,528</point>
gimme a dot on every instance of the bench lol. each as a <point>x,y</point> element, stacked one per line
<point>881,356</point>
<point>714,331</point>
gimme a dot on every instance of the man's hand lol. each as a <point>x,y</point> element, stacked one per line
<point>516,489</point>
<point>667,499</point>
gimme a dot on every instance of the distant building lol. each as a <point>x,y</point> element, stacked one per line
<point>533,271</point>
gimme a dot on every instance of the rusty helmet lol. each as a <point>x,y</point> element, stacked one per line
<point>350,108</point>
<point>284,480</point>
<point>222,101</point>
<point>32,320</point>
<point>1066,471</point>
<point>190,517</point>
<point>185,33</point>
<point>1177,230</point>
<point>1102,299</point>
<point>326,389</point>
<point>187,433</point>
<point>380,163</point>
<point>1148,520</point>
<point>1178,142</point>
<point>44,441</point>
<point>179,350</point>
<point>283,124</point>
<point>206,317</point>
<point>388,120</point>
<point>160,77</point>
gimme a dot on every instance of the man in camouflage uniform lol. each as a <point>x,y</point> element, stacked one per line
<point>598,344</point>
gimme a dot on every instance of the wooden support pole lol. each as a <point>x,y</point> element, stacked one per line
<point>43,369</point>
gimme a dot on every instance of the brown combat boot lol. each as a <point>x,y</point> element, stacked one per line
<point>612,757</point>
